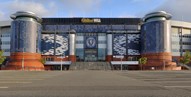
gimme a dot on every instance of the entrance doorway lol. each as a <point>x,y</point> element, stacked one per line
<point>90,55</point>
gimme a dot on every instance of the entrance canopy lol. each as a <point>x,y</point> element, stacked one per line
<point>124,62</point>
<point>58,62</point>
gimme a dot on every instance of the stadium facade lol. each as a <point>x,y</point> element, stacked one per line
<point>118,41</point>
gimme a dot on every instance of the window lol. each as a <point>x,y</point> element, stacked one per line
<point>118,27</point>
<point>101,34</point>
<point>102,42</point>
<point>185,31</point>
<point>101,54</point>
<point>79,42</point>
<point>176,50</point>
<point>5,43</point>
<point>131,27</point>
<point>133,58</point>
<point>6,50</point>
<point>174,30</point>
<point>80,34</point>
<point>80,54</point>
<point>5,35</point>
<point>49,59</point>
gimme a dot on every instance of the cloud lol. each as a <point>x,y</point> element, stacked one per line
<point>81,5</point>
<point>52,8</point>
<point>29,6</point>
<point>178,8</point>
<point>49,8</point>
<point>2,17</point>
<point>26,5</point>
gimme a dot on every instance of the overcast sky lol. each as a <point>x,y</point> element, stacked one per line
<point>180,9</point>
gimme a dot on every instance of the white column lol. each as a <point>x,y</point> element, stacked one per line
<point>109,44</point>
<point>72,43</point>
<point>167,36</point>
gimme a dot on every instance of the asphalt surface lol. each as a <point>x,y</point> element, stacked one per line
<point>95,83</point>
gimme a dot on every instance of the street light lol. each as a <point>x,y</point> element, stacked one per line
<point>121,57</point>
<point>23,60</point>
<point>61,64</point>
<point>121,64</point>
<point>164,65</point>
<point>61,61</point>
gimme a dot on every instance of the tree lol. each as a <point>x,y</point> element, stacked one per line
<point>2,58</point>
<point>142,61</point>
<point>43,61</point>
<point>186,58</point>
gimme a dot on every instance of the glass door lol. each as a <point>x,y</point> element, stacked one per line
<point>90,55</point>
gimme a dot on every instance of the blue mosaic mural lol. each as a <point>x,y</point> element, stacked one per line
<point>133,44</point>
<point>47,44</point>
<point>58,42</point>
<point>119,44</point>
<point>61,44</point>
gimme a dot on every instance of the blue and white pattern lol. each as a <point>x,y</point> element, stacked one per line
<point>48,44</point>
<point>133,44</point>
<point>59,43</point>
<point>119,44</point>
<point>133,38</point>
<point>133,52</point>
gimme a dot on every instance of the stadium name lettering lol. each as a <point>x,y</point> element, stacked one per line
<point>86,20</point>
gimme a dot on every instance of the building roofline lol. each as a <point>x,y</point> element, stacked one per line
<point>25,14</point>
<point>157,14</point>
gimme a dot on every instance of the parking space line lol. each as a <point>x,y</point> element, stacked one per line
<point>178,86</point>
<point>4,87</point>
<point>16,82</point>
<point>19,79</point>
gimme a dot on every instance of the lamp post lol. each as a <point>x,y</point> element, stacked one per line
<point>23,60</point>
<point>61,60</point>
<point>121,64</point>
<point>164,65</point>
<point>121,57</point>
<point>61,63</point>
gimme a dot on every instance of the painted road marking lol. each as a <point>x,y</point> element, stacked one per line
<point>20,79</point>
<point>16,82</point>
<point>178,86</point>
<point>4,87</point>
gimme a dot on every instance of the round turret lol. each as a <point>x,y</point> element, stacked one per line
<point>24,15</point>
<point>156,16</point>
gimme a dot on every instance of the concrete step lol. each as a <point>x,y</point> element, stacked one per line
<point>90,66</point>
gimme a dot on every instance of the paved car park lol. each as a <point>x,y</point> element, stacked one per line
<point>95,83</point>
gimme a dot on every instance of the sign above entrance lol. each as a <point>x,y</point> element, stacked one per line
<point>118,56</point>
<point>88,20</point>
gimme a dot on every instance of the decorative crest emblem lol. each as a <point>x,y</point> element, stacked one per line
<point>91,42</point>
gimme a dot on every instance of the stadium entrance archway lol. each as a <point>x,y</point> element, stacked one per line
<point>91,55</point>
